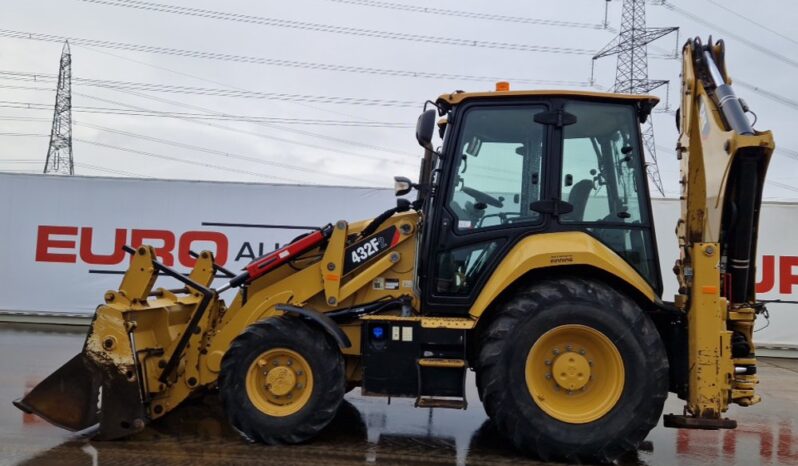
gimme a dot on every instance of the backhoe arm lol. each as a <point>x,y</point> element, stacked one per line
<point>723,165</point>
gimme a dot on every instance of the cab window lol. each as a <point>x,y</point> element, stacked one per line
<point>499,163</point>
<point>602,178</point>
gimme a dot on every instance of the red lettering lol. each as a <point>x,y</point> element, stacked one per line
<point>786,278</point>
<point>116,256</point>
<point>785,450</point>
<point>220,256</point>
<point>768,275</point>
<point>44,243</point>
<point>164,252</point>
<point>705,445</point>
<point>763,432</point>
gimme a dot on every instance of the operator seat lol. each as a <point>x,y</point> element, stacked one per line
<point>578,198</point>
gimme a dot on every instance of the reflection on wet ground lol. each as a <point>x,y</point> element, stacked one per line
<point>366,430</point>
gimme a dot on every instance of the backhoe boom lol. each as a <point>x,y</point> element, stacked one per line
<point>723,165</point>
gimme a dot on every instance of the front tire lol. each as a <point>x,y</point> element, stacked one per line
<point>282,381</point>
<point>571,369</point>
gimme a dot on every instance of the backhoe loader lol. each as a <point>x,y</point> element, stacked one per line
<point>527,256</point>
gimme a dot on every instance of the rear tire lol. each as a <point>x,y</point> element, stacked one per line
<point>281,381</point>
<point>593,361</point>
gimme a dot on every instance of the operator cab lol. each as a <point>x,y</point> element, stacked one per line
<point>517,163</point>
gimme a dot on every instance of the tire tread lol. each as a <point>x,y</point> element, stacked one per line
<point>331,377</point>
<point>491,381</point>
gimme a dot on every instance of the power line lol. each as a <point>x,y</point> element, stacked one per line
<point>765,50</point>
<point>202,119</point>
<point>21,118</point>
<point>359,144</point>
<point>780,98</point>
<point>783,186</point>
<point>21,161</point>
<point>108,170</point>
<point>21,170</point>
<point>328,28</point>
<point>174,89</point>
<point>77,165</point>
<point>470,14</point>
<point>189,162</point>
<point>204,116</point>
<point>182,145</point>
<point>25,88</point>
<point>276,62</point>
<point>791,153</point>
<point>27,135</point>
<point>229,155</point>
<point>353,69</point>
<point>189,147</point>
<point>747,19</point>
<point>266,136</point>
<point>212,81</point>
<point>202,149</point>
<point>153,87</point>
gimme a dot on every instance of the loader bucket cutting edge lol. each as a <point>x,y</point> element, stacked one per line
<point>83,393</point>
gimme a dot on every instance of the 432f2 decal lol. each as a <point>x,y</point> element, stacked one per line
<point>369,248</point>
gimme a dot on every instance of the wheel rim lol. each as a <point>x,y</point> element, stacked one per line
<point>279,382</point>
<point>575,373</point>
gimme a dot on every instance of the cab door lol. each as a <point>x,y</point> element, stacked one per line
<point>494,170</point>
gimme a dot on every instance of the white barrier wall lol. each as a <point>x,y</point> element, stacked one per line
<point>60,236</point>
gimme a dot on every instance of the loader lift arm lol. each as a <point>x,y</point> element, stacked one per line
<point>723,165</point>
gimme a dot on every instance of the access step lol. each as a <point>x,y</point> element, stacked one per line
<point>438,362</point>
<point>450,403</point>
<point>441,382</point>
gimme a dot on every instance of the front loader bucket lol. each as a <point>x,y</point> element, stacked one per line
<point>134,366</point>
<point>83,393</point>
<point>67,398</point>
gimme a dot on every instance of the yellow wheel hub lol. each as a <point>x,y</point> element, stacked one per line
<point>571,371</point>
<point>574,373</point>
<point>279,382</point>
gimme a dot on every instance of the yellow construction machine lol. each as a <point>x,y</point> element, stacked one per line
<point>527,256</point>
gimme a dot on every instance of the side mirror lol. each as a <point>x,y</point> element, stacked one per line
<point>425,127</point>
<point>402,185</point>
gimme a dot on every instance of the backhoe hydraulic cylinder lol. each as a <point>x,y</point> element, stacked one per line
<point>728,102</point>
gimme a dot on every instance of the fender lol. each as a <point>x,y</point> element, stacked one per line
<point>325,322</point>
<point>555,250</point>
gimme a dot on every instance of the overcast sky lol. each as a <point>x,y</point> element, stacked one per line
<point>763,54</point>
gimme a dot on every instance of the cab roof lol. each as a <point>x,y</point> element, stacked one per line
<point>455,98</point>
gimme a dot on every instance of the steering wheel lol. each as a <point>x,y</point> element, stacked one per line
<point>504,217</point>
<point>479,196</point>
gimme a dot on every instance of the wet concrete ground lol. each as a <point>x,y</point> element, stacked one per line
<point>367,430</point>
